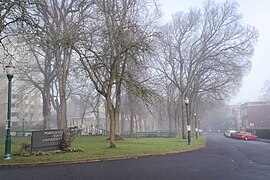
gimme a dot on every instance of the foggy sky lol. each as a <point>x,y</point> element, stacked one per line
<point>255,13</point>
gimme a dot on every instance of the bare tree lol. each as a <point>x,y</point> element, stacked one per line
<point>210,45</point>
<point>11,12</point>
<point>83,93</point>
<point>172,104</point>
<point>266,90</point>
<point>59,24</point>
<point>120,33</point>
<point>39,72</point>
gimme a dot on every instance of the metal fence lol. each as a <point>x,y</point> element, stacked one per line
<point>149,134</point>
<point>21,133</point>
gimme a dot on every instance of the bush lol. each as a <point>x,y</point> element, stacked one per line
<point>67,139</point>
<point>25,149</point>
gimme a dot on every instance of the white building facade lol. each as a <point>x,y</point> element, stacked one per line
<point>25,104</point>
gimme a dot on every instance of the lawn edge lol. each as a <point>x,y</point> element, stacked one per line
<point>93,160</point>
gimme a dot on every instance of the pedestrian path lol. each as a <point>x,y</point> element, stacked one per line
<point>265,140</point>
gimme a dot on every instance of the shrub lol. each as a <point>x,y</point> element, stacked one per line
<point>25,149</point>
<point>67,139</point>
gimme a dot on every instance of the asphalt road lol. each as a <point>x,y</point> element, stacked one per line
<point>223,158</point>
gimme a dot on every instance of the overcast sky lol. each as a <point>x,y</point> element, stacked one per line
<point>255,13</point>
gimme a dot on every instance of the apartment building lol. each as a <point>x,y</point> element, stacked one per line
<point>25,104</point>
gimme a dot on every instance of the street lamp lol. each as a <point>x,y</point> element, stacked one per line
<point>9,70</point>
<point>196,126</point>
<point>199,126</point>
<point>188,122</point>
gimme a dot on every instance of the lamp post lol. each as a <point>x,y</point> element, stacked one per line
<point>188,122</point>
<point>9,70</point>
<point>196,125</point>
<point>199,126</point>
<point>23,128</point>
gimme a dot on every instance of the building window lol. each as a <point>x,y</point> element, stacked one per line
<point>15,123</point>
<point>14,114</point>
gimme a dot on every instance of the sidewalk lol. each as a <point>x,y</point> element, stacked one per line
<point>264,140</point>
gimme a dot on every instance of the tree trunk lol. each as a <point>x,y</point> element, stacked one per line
<point>46,108</point>
<point>184,130</point>
<point>62,64</point>
<point>97,112</point>
<point>169,114</point>
<point>117,111</point>
<point>112,122</point>
<point>137,127</point>
<point>122,122</point>
<point>106,117</point>
<point>63,105</point>
<point>132,114</point>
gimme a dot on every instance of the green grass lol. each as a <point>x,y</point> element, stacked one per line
<point>98,148</point>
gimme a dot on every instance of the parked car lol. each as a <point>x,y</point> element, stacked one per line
<point>245,135</point>
<point>229,132</point>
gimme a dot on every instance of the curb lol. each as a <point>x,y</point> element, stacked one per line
<point>95,160</point>
<point>265,140</point>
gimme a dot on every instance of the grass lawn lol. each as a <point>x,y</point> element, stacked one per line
<point>97,147</point>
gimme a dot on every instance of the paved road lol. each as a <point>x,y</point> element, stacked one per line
<point>222,159</point>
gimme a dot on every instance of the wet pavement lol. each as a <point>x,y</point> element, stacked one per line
<point>223,158</point>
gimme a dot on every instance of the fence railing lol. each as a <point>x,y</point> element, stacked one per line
<point>103,132</point>
<point>149,134</point>
<point>21,133</point>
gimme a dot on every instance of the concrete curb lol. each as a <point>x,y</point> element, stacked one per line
<point>265,140</point>
<point>94,160</point>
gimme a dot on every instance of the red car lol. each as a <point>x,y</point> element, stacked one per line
<point>245,135</point>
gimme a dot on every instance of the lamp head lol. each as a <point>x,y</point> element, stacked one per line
<point>10,68</point>
<point>186,100</point>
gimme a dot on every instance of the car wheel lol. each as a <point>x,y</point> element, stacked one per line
<point>246,138</point>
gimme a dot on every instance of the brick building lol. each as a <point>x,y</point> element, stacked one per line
<point>255,114</point>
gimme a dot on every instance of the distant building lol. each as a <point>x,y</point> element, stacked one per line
<point>25,102</point>
<point>85,126</point>
<point>235,117</point>
<point>25,105</point>
<point>256,114</point>
<point>84,119</point>
<point>26,99</point>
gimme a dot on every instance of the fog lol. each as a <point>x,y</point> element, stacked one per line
<point>255,13</point>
